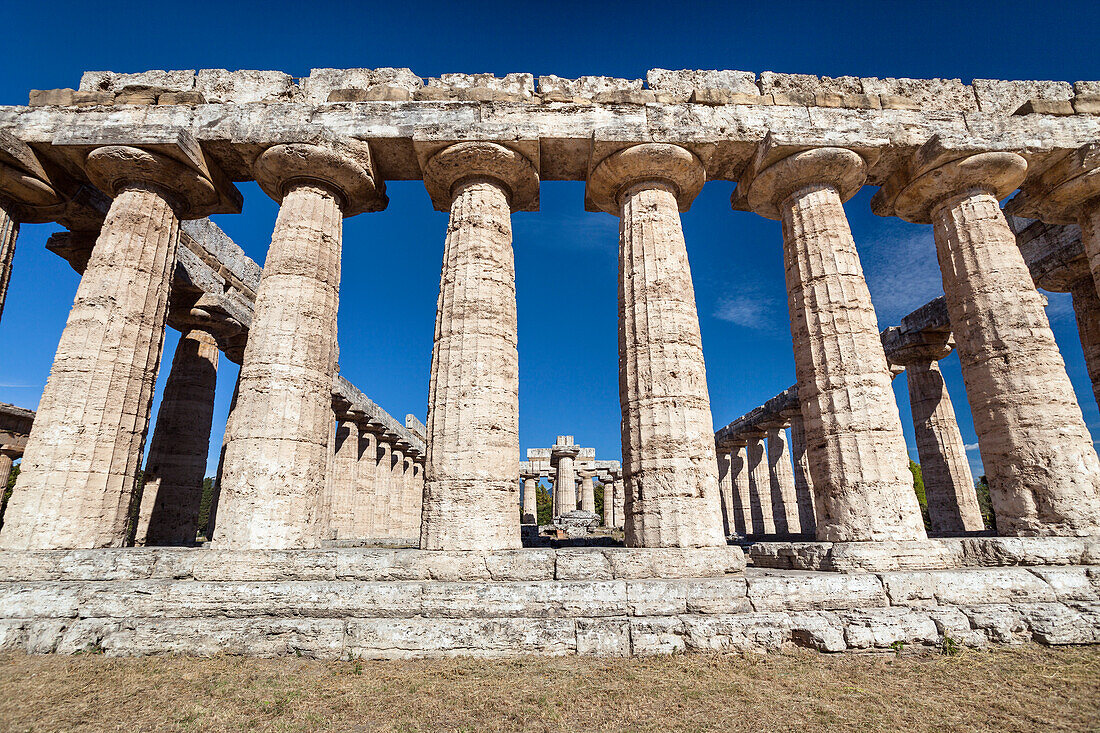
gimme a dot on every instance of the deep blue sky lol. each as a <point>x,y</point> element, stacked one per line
<point>566,259</point>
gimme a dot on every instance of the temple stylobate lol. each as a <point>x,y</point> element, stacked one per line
<point>132,164</point>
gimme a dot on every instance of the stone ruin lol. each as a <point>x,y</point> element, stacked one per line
<point>571,471</point>
<point>132,164</point>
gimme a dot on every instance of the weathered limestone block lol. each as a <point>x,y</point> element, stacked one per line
<point>277,452</point>
<point>781,481</point>
<point>109,81</point>
<point>51,97</point>
<point>815,592</point>
<point>1005,97</point>
<point>760,490</point>
<point>320,82</point>
<point>948,483</point>
<point>803,487</point>
<point>684,81</point>
<point>862,486</point>
<point>668,441</point>
<point>522,85</point>
<point>881,628</point>
<point>808,84</point>
<point>170,498</point>
<point>1044,475</point>
<point>85,446</point>
<point>473,398</point>
<point>412,638</point>
<point>942,94</point>
<point>245,87</point>
<point>556,89</point>
<point>9,232</point>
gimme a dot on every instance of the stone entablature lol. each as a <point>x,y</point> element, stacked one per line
<point>463,107</point>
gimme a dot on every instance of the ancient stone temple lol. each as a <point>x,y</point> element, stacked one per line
<point>337,531</point>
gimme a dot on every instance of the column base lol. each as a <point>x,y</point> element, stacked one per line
<point>930,554</point>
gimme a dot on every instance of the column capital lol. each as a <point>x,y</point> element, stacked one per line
<point>778,170</point>
<point>343,165</point>
<point>466,161</point>
<point>921,348</point>
<point>656,163</point>
<point>1060,193</point>
<point>937,172</point>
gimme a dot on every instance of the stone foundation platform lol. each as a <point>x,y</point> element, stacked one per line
<point>931,554</point>
<point>350,603</point>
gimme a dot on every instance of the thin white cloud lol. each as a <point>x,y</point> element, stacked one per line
<point>747,309</point>
<point>970,446</point>
<point>901,270</point>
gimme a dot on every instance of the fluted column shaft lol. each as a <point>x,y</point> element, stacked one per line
<point>565,487</point>
<point>608,503</point>
<point>366,486</point>
<point>742,490</point>
<point>530,503</point>
<point>781,475</point>
<point>383,516</point>
<point>277,453</point>
<point>1043,471</point>
<point>345,480</point>
<point>725,488</point>
<point>1086,308</point>
<point>803,488</point>
<point>174,471</point>
<point>85,446</point>
<point>620,503</point>
<point>588,494</point>
<point>948,483</point>
<point>760,493</point>
<point>1089,220</point>
<point>668,441</point>
<point>212,520</point>
<point>862,487</point>
<point>9,232</point>
<point>399,524</point>
<point>473,408</point>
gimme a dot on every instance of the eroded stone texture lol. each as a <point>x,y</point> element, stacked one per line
<point>473,401</point>
<point>672,497</point>
<point>86,443</point>
<point>1043,470</point>
<point>862,486</point>
<point>803,488</point>
<point>760,492</point>
<point>781,475</point>
<point>948,483</point>
<point>277,452</point>
<point>169,510</point>
<point>9,231</point>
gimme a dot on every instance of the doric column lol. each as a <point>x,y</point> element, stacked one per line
<point>948,483</point>
<point>84,449</point>
<point>620,501</point>
<point>1044,476</point>
<point>1086,308</point>
<point>366,484</point>
<point>276,456</point>
<point>565,480</point>
<point>473,400</point>
<point>212,520</point>
<point>6,459</point>
<point>760,488</point>
<point>398,518</point>
<point>345,477</point>
<point>742,490</point>
<point>803,488</point>
<point>781,476</point>
<point>862,486</point>
<point>383,508</point>
<point>588,493</point>
<point>530,512</point>
<point>671,480</point>
<point>174,471</point>
<point>9,231</point>
<point>725,488</point>
<point>608,502</point>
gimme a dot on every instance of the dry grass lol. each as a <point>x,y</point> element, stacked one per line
<point>1023,689</point>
